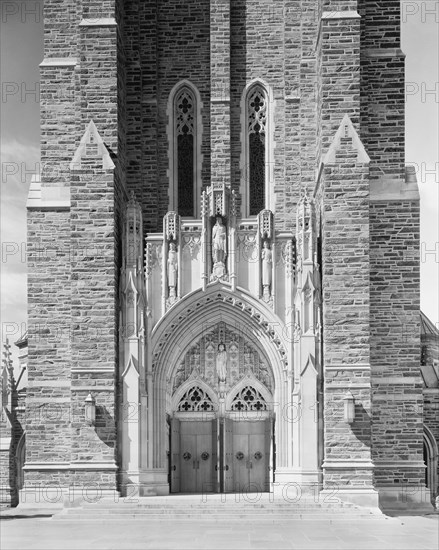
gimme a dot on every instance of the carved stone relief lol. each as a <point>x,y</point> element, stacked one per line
<point>222,357</point>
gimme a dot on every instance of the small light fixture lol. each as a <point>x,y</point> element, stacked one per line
<point>90,410</point>
<point>349,407</point>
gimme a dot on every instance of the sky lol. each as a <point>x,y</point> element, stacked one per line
<point>21,51</point>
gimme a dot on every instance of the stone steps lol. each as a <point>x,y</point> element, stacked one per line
<point>167,509</point>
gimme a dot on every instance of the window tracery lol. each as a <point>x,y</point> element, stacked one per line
<point>195,400</point>
<point>185,137</point>
<point>256,128</point>
<point>249,399</point>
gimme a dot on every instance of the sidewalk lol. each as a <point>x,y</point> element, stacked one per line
<point>36,530</point>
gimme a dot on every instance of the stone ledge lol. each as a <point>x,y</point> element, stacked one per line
<point>29,466</point>
<point>47,198</point>
<point>352,464</point>
<point>383,52</point>
<point>358,366</point>
<point>48,384</point>
<point>220,99</point>
<point>330,386</point>
<point>98,22</point>
<point>79,388</point>
<point>392,463</point>
<point>383,190</point>
<point>77,370</point>
<point>5,443</point>
<point>348,14</point>
<point>59,62</point>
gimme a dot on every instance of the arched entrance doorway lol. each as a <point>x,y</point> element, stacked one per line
<point>219,386</point>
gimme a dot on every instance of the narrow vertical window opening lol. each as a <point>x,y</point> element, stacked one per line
<point>185,140</point>
<point>257,119</point>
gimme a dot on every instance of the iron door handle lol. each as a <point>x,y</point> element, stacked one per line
<point>174,468</point>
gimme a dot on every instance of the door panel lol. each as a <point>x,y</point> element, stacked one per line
<point>188,461</point>
<point>175,455</point>
<point>196,457</point>
<point>251,472</point>
<point>228,460</point>
<point>238,460</point>
<point>215,456</point>
<point>258,461</point>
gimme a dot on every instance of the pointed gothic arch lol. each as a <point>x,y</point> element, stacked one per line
<point>185,159</point>
<point>257,159</point>
<point>187,387</point>
<point>254,384</point>
<point>175,333</point>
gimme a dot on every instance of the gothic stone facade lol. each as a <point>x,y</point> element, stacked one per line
<point>224,253</point>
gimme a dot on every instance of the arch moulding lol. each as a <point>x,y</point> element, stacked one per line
<point>197,314</point>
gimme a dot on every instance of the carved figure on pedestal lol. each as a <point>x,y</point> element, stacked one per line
<point>219,243</point>
<point>172,271</point>
<point>267,266</point>
<point>221,362</point>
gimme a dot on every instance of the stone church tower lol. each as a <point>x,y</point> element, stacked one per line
<point>224,253</point>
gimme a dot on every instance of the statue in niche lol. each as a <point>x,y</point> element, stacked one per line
<point>172,270</point>
<point>267,265</point>
<point>221,362</point>
<point>219,241</point>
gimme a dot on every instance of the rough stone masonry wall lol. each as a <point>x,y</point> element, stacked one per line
<point>343,200</point>
<point>48,436</point>
<point>395,343</point>
<point>97,199</point>
<point>382,87</point>
<point>339,79</point>
<point>74,253</point>
<point>167,41</point>
<point>57,90</point>
<point>257,52</point>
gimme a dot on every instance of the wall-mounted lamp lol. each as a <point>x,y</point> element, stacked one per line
<point>349,407</point>
<point>90,410</point>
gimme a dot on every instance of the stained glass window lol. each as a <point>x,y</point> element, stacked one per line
<point>185,137</point>
<point>256,115</point>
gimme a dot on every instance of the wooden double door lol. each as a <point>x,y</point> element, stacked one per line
<point>221,455</point>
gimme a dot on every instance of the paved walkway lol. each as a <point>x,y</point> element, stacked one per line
<point>39,531</point>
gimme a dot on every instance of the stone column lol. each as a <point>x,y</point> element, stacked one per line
<point>133,434</point>
<point>307,369</point>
